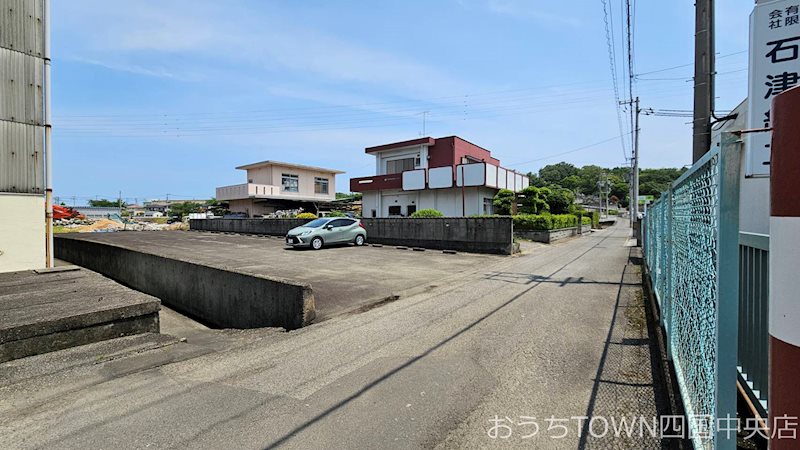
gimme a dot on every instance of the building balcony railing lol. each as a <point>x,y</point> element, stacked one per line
<point>245,190</point>
<point>376,183</point>
<point>254,190</point>
<point>468,175</point>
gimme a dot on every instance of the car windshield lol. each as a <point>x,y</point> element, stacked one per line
<point>316,223</point>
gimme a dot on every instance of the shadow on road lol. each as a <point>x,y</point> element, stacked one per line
<point>628,382</point>
<point>533,284</point>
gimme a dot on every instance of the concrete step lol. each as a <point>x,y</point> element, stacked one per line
<point>48,310</point>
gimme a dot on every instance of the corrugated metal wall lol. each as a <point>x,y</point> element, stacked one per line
<point>21,26</point>
<point>21,96</point>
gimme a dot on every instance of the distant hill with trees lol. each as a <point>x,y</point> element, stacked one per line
<point>583,180</point>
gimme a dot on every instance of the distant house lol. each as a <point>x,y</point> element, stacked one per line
<point>97,212</point>
<point>273,185</point>
<point>448,174</point>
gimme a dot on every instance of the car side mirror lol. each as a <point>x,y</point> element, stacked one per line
<point>328,227</point>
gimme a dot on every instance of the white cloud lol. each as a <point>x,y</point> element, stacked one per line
<point>524,9</point>
<point>152,71</point>
<point>241,39</point>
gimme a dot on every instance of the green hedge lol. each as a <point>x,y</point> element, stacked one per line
<point>426,214</point>
<point>538,222</point>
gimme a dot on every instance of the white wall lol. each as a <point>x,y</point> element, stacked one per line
<point>398,198</point>
<point>754,201</point>
<point>22,232</point>
<point>447,201</point>
<point>272,175</point>
<point>754,205</point>
<point>369,201</point>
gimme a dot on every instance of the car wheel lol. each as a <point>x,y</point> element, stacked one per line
<point>360,240</point>
<point>316,243</point>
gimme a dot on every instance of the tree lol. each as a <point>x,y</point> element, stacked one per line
<point>560,201</point>
<point>183,209</point>
<point>656,181</point>
<point>503,201</point>
<point>216,207</point>
<point>108,203</point>
<point>590,175</point>
<point>534,200</point>
<point>535,180</point>
<point>554,173</point>
<point>618,187</point>
<point>584,180</point>
<point>572,182</point>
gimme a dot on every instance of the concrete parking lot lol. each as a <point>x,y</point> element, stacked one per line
<point>344,279</point>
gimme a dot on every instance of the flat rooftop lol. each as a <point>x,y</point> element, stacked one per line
<point>287,165</point>
<point>344,279</point>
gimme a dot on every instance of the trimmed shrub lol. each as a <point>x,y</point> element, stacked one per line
<point>541,222</point>
<point>503,201</point>
<point>426,214</point>
<point>336,214</point>
<point>530,222</point>
<point>306,215</point>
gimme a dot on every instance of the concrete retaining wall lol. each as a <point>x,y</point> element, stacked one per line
<point>272,227</point>
<point>467,234</point>
<point>550,236</point>
<point>223,298</point>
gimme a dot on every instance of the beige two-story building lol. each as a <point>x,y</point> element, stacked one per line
<point>273,185</point>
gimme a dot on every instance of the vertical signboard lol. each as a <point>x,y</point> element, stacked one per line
<point>774,68</point>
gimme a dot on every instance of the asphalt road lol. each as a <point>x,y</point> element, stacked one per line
<point>521,336</point>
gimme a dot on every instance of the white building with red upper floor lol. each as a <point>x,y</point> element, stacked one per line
<point>448,174</point>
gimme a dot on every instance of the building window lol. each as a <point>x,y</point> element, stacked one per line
<point>410,209</point>
<point>290,183</point>
<point>320,185</point>
<point>395,210</point>
<point>399,165</point>
<point>488,207</point>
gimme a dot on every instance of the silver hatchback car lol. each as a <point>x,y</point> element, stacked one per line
<point>325,231</point>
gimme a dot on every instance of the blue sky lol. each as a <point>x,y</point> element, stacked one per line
<point>167,97</point>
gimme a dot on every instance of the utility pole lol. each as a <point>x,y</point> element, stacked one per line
<point>463,195</point>
<point>633,205</point>
<point>635,177</point>
<point>703,77</point>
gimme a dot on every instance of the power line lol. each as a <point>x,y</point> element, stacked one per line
<point>612,59</point>
<point>688,64</point>
<point>568,151</point>
<point>109,130</point>
<point>457,98</point>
